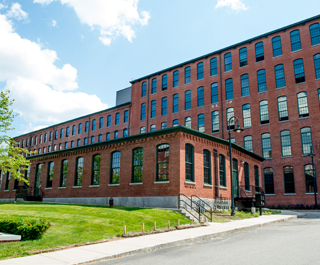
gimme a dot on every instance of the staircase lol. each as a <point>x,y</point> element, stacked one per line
<point>252,197</point>
<point>26,193</point>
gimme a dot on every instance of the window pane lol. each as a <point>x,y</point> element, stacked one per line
<point>298,71</point>
<point>137,166</point>
<point>201,127</point>
<point>315,34</point>
<point>295,40</point>
<point>283,108</point>
<point>215,121</point>
<point>266,145</point>
<point>262,84</point>
<point>243,57</point>
<point>303,104</point>
<point>227,62</point>
<point>187,75</point>
<point>268,181</point>
<point>276,46</point>
<point>264,112</point>
<point>285,143</point>
<point>206,167</point>
<point>246,113</point>
<point>189,162</point>
<point>229,89</point>
<point>245,85</point>
<point>248,143</point>
<point>213,66</point>
<point>259,52</point>
<point>279,75</point>
<point>200,71</point>
<point>288,179</point>
<point>163,162</point>
<point>200,97</point>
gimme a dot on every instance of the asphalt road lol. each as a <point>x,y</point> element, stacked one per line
<point>292,242</point>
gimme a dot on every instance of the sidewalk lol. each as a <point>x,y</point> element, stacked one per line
<point>129,246</point>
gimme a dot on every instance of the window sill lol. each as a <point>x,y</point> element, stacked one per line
<point>113,185</point>
<point>6,190</point>
<point>262,92</point>
<point>61,188</point>
<point>267,158</point>
<point>135,183</point>
<point>215,132</point>
<point>49,188</point>
<point>77,187</point>
<point>284,121</point>
<point>277,56</point>
<point>222,187</point>
<point>286,156</point>
<point>248,191</point>
<point>296,50</point>
<point>207,185</point>
<point>240,67</point>
<point>300,83</point>
<point>264,124</point>
<point>190,182</point>
<point>269,194</point>
<point>301,118</point>
<point>311,193</point>
<point>280,87</point>
<point>92,186</point>
<point>289,194</point>
<point>260,61</point>
<point>161,182</point>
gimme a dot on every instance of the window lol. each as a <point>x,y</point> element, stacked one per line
<point>200,96</point>
<point>107,136</point>
<point>214,93</point>
<point>295,40</point>
<point>276,46</point>
<point>175,78</point>
<point>247,143</point>
<point>315,34</point>
<point>243,58</point>
<point>283,109</point>
<point>63,173</point>
<point>54,148</point>
<point>288,179</point>
<point>175,123</point>
<point>154,86</point>
<point>201,127</point>
<point>306,140</point>
<point>115,168</point>
<point>27,141</point>
<point>65,146</point>
<point>137,165</point>
<point>50,174</point>
<point>125,132</point>
<point>213,66</point>
<point>164,125</point>
<point>189,163</point>
<point>256,176</point>
<point>85,141</point>
<point>40,139</point>
<point>246,176</point>
<point>101,123</point>
<point>268,181</point>
<point>298,71</point>
<point>318,97</point>
<point>230,113</point>
<point>279,75</point>
<point>259,52</point>
<point>264,112</point>
<point>152,127</point>
<point>117,118</point>
<point>227,62</point>
<point>55,137</point>
<point>78,142</point>
<point>246,113</point>
<point>79,128</point>
<point>164,82</point>
<point>143,112</point>
<point>207,166</point>
<point>116,135</point>
<point>164,106</point>
<point>100,138</point>
<point>142,129</point>
<point>67,133</point>
<point>266,145</point>
<point>92,139</point>
<point>245,85</point>
<point>162,162</point>
<point>31,142</point>
<point>316,60</point>
<point>187,75</point>
<point>262,84</point>
<point>86,127</point>
<point>60,148</point>
<point>200,71</point>
<point>109,121</point>
<point>45,137</point>
<point>72,145</point>
<point>309,176</point>
<point>93,125</point>
<point>187,100</point>
<point>153,109</point>
<point>229,89</point>
<point>79,170</point>
<point>285,143</point>
<point>61,135</point>
<point>303,104</point>
<point>73,130</point>
<point>175,103</point>
<point>8,177</point>
<point>22,143</point>
<point>95,174</point>
<point>26,176</point>
<point>144,89</point>
<point>187,122</point>
<point>126,116</point>
<point>215,121</point>
<point>50,138</point>
<point>222,172</point>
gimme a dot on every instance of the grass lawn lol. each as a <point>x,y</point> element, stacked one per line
<point>73,224</point>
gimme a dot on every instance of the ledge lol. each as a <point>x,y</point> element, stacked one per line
<point>135,183</point>
<point>49,188</point>
<point>269,194</point>
<point>113,185</point>
<point>77,187</point>
<point>62,187</point>
<point>162,182</point>
<point>190,182</point>
<point>221,187</point>
<point>289,194</point>
<point>92,186</point>
<point>207,185</point>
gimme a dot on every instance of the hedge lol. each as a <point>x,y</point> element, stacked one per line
<point>28,228</point>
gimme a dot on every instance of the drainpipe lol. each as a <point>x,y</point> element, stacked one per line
<point>222,136</point>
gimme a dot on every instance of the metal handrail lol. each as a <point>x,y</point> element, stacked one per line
<point>190,205</point>
<point>205,210</point>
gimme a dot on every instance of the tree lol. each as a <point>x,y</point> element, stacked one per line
<point>11,154</point>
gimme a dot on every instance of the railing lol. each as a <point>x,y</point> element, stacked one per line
<point>182,204</point>
<point>221,202</point>
<point>204,207</point>
<point>254,193</point>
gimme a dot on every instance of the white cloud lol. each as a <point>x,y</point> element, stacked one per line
<point>233,4</point>
<point>54,23</point>
<point>16,12</point>
<point>111,17</point>
<point>2,6</point>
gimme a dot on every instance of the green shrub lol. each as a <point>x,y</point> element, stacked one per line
<point>28,228</point>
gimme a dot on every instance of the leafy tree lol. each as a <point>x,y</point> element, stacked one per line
<point>11,155</point>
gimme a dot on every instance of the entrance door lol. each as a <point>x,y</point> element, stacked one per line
<point>235,178</point>
<point>37,180</point>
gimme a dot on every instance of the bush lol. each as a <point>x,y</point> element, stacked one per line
<point>28,228</point>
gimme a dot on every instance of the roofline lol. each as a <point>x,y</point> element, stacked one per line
<point>81,117</point>
<point>227,48</point>
<point>179,128</point>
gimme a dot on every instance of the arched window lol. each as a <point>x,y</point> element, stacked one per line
<point>152,127</point>
<point>306,140</point>
<point>227,62</point>
<point>200,71</point>
<point>143,89</point>
<point>137,164</point>
<point>101,123</point>
<point>117,118</point>
<point>309,177</point>
<point>246,176</point>
<point>200,96</point>
<point>288,179</point>
<point>187,75</point>
<point>283,108</point>
<point>213,66</point>
<point>63,173</point>
<point>164,82</point>
<point>175,78</point>
<point>164,106</point>
<point>316,60</point>
<point>153,109</point>
<point>125,132</point>
<point>243,58</point>
<point>276,46</point>
<point>295,40</point>
<point>201,126</point>
<point>262,83</point>
<point>268,180</point>
<point>245,85</point>
<point>143,112</point>
<point>215,121</point>
<point>50,174</point>
<point>230,114</point>
<point>264,112</point>
<point>187,100</point>
<point>175,103</point>
<point>315,34</point>
<point>298,71</point>
<point>214,93</point>
<point>93,128</point>
<point>246,114</point>
<point>222,171</point>
<point>256,176</point>
<point>303,104</point>
<point>115,167</point>
<point>247,143</point>
<point>162,162</point>
<point>189,163</point>
<point>266,145</point>
<point>259,52</point>
<point>285,143</point>
<point>154,86</point>
<point>229,89</point>
<point>279,75</point>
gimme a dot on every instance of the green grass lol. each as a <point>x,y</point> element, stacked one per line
<point>73,224</point>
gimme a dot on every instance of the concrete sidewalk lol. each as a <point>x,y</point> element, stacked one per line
<point>129,246</point>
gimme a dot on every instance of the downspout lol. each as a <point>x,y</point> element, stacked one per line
<point>222,136</point>
<point>147,114</point>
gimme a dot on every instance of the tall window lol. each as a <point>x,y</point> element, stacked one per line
<point>189,163</point>
<point>63,173</point>
<point>279,75</point>
<point>142,129</point>
<point>246,176</point>
<point>214,93</point>
<point>187,100</point>
<point>92,139</point>
<point>50,136</point>
<point>101,123</point>
<point>306,140</point>
<point>200,71</point>
<point>259,52</point>
<point>315,34</point>
<point>256,176</point>
<point>126,116</point>
<point>227,62</point>
<point>222,171</point>
<point>152,127</point>
<point>65,147</point>
<point>303,104</point>
<point>285,143</point>
<point>215,121</point>
<point>276,46</point>
<point>213,66</point>
<point>247,143</point>
<point>268,180</point>
<point>207,166</point>
<point>283,108</point>
<point>73,131</point>
<point>143,112</point>
<point>175,78</point>
<point>61,135</point>
<point>246,114</point>
<point>99,139</point>
<point>288,179</point>
<point>107,136</point>
<point>162,162</point>
<point>116,122</point>
<point>309,176</point>
<point>125,132</point>
<point>200,96</point>
<point>262,83</point>
<point>316,60</point>
<point>50,174</point>
<point>175,103</point>
<point>264,112</point>
<point>153,109</point>
<point>164,106</point>
<point>95,173</point>
<point>154,86</point>
<point>298,71</point>
<point>187,75</point>
<point>245,85</point>
<point>243,58</point>
<point>187,122</point>
<point>295,40</point>
<point>144,89</point>
<point>137,165</point>
<point>8,177</point>
<point>175,123</point>
<point>116,134</point>
<point>201,125</point>
<point>86,128</point>
<point>67,134</point>
<point>230,113</point>
<point>93,126</point>
<point>109,121</point>
<point>229,89</point>
<point>164,82</point>
<point>266,145</point>
<point>115,168</point>
<point>85,141</point>
<point>55,136</point>
<point>164,125</point>
<point>78,142</point>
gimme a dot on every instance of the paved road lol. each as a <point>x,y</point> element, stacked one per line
<point>292,242</point>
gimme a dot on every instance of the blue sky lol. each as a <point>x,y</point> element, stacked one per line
<point>65,58</point>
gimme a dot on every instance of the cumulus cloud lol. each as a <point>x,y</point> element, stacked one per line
<point>54,23</point>
<point>17,12</point>
<point>112,18</point>
<point>2,6</point>
<point>233,4</point>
